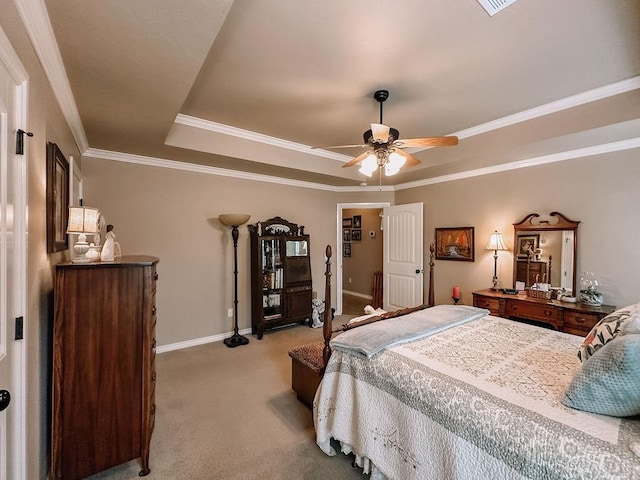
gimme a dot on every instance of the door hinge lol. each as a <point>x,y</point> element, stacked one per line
<point>19,328</point>
<point>20,141</point>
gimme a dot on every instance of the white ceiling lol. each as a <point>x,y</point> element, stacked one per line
<point>249,85</point>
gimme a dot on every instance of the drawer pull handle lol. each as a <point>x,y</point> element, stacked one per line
<point>155,275</point>
<point>580,319</point>
<point>153,310</point>
<point>548,313</point>
<point>514,307</point>
<point>153,409</point>
<point>153,343</point>
<point>153,376</point>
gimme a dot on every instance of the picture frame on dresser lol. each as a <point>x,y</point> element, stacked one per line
<point>57,199</point>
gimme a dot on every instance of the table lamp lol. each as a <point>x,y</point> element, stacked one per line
<point>495,243</point>
<point>82,220</point>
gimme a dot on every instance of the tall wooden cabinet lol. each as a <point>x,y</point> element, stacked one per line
<point>103,366</point>
<point>281,288</point>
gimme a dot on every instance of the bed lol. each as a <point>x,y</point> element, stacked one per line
<point>475,397</point>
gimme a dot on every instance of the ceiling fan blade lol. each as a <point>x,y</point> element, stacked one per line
<point>357,160</point>
<point>427,142</point>
<point>411,160</point>
<point>340,146</point>
<point>380,132</point>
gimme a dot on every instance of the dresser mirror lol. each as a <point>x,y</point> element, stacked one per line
<point>546,250</point>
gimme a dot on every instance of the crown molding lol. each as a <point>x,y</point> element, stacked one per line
<point>36,21</point>
<point>529,162</point>
<point>518,164</point>
<point>583,98</point>
<point>191,167</point>
<point>257,137</point>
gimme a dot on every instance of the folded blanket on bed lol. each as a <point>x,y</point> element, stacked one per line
<point>370,339</point>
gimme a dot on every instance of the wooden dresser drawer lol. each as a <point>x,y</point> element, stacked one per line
<point>491,304</point>
<point>579,323</point>
<point>533,311</point>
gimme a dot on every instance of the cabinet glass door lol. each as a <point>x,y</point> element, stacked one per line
<point>297,248</point>
<point>272,278</point>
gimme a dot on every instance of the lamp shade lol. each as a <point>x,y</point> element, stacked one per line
<point>83,220</point>
<point>234,219</point>
<point>496,242</point>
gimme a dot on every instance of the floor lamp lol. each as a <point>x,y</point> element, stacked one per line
<point>234,220</point>
<point>495,243</point>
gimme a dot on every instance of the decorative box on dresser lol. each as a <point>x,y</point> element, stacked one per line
<point>575,318</point>
<point>103,365</point>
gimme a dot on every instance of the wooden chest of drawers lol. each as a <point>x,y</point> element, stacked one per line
<point>574,318</point>
<point>103,366</point>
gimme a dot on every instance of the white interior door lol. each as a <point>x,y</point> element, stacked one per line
<point>12,265</point>
<point>403,262</point>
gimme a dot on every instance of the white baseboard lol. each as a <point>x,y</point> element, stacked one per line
<point>198,341</point>
<point>357,294</point>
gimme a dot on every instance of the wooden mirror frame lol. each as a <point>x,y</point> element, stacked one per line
<point>533,223</point>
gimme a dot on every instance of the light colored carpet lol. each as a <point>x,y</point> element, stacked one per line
<point>226,413</point>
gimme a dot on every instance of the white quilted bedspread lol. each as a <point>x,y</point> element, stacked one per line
<point>481,400</point>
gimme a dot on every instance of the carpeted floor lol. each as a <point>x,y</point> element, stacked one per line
<point>231,414</point>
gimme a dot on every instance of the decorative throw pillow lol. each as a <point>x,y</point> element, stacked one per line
<point>625,319</point>
<point>608,383</point>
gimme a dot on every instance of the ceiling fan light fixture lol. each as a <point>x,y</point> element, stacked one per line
<point>394,164</point>
<point>369,165</point>
<point>380,132</point>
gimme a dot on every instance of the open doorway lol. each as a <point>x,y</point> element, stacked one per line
<point>359,255</point>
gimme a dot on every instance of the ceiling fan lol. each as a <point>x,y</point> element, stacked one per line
<point>385,148</point>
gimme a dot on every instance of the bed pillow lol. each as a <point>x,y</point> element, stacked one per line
<point>624,320</point>
<point>608,383</point>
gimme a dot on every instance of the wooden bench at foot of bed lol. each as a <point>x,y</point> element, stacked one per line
<point>308,360</point>
<point>306,370</point>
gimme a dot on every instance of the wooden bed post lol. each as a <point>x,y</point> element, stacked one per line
<point>326,326</point>
<point>431,301</point>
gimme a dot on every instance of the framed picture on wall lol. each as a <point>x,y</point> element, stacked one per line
<point>356,235</point>
<point>57,199</point>
<point>346,249</point>
<point>346,235</point>
<point>357,221</point>
<point>455,244</point>
<point>347,222</point>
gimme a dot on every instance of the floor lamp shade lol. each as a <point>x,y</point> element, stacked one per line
<point>495,243</point>
<point>234,220</point>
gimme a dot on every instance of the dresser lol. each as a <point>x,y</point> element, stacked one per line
<point>103,366</point>
<point>574,318</point>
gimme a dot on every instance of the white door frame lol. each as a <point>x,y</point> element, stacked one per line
<point>18,367</point>
<point>336,260</point>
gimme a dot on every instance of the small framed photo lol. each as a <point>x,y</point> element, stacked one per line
<point>455,244</point>
<point>357,221</point>
<point>346,235</point>
<point>526,244</point>
<point>347,222</point>
<point>346,249</point>
<point>356,235</point>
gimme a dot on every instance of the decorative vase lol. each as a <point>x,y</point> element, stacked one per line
<point>589,294</point>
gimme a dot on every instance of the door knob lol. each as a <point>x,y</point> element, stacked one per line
<point>419,271</point>
<point>5,399</point>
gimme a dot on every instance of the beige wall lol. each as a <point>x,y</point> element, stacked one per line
<point>600,191</point>
<point>366,254</point>
<point>47,123</point>
<point>172,214</point>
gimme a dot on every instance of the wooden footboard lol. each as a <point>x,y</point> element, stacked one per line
<point>327,328</point>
